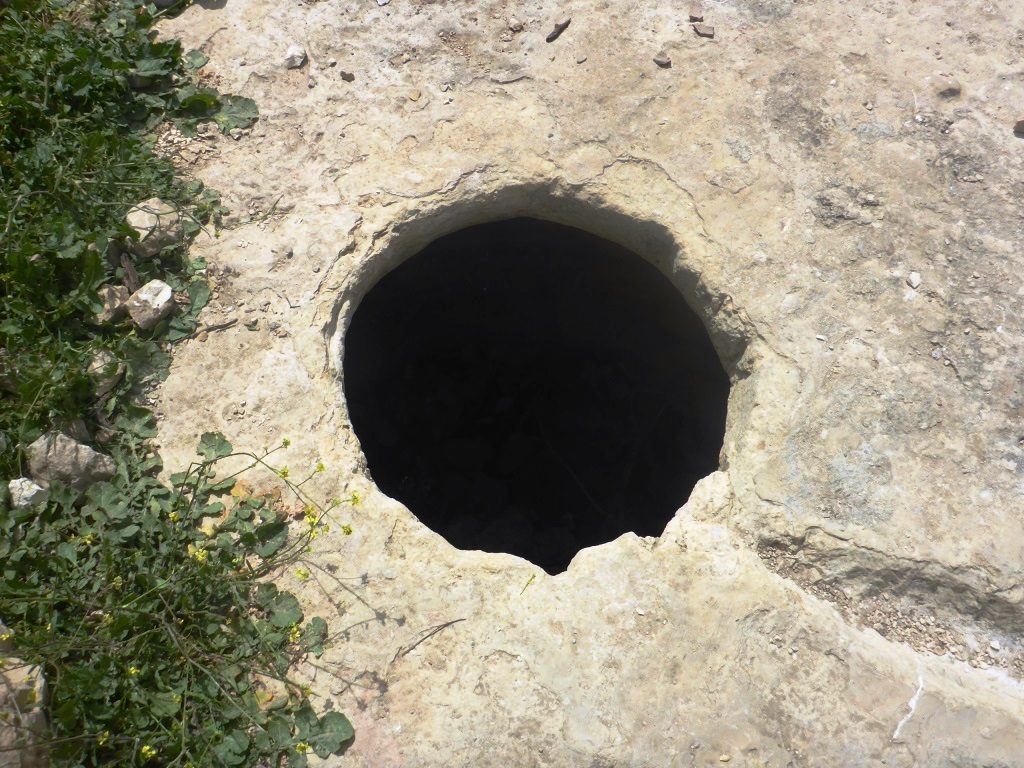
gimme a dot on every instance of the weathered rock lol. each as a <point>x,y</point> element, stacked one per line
<point>914,280</point>
<point>515,25</point>
<point>22,711</point>
<point>106,371</point>
<point>24,492</point>
<point>150,304</point>
<point>1018,128</point>
<point>295,57</point>
<point>55,456</point>
<point>704,30</point>
<point>871,485</point>
<point>158,224</point>
<point>696,12</point>
<point>662,60</point>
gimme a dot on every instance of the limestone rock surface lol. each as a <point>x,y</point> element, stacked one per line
<point>848,589</point>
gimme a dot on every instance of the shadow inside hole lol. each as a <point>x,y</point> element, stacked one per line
<point>527,387</point>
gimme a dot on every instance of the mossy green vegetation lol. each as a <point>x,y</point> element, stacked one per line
<point>147,606</point>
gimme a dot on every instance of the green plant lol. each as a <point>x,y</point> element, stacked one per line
<point>157,640</point>
<point>155,636</point>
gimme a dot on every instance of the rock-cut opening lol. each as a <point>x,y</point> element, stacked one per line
<point>527,387</point>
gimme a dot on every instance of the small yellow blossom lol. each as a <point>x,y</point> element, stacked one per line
<point>103,738</point>
<point>294,634</point>
<point>302,747</point>
<point>174,517</point>
<point>199,555</point>
<point>133,671</point>
<point>355,498</point>
<point>283,473</point>
<point>310,515</point>
<point>285,442</point>
<point>147,752</point>
<point>302,573</point>
<point>49,626</point>
<point>320,467</point>
<point>346,529</point>
<point>107,620</point>
<point>5,637</point>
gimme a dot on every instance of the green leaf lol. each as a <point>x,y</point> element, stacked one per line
<point>335,734</point>
<point>195,60</point>
<point>313,636</point>
<point>236,112</point>
<point>213,445</point>
<point>285,610</point>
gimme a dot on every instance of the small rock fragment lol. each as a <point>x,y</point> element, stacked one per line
<point>24,493</point>
<point>704,30</point>
<point>696,12</point>
<point>914,280</point>
<point>158,224</point>
<point>414,94</point>
<point>663,60</point>
<point>560,26</point>
<point>724,758</point>
<point>382,3</point>
<point>1018,128</point>
<point>348,77</point>
<point>105,371</point>
<point>580,59</point>
<point>55,456</point>
<point>114,299</point>
<point>295,57</point>
<point>515,25</point>
<point>151,303</point>
<point>948,87</point>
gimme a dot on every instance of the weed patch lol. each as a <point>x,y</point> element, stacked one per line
<point>154,636</point>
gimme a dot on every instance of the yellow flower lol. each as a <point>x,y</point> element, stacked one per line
<point>302,747</point>
<point>49,626</point>
<point>347,530</point>
<point>174,517</point>
<point>309,515</point>
<point>285,442</point>
<point>302,573</point>
<point>320,467</point>
<point>199,555</point>
<point>103,738</point>
<point>355,498</point>
<point>294,634</point>
<point>5,637</point>
<point>147,752</point>
<point>283,473</point>
<point>133,671</point>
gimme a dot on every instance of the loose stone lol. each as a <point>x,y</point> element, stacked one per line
<point>151,303</point>
<point>704,30</point>
<point>560,26</point>
<point>914,280</point>
<point>24,493</point>
<point>55,456</point>
<point>696,12</point>
<point>663,60</point>
<point>158,224</point>
<point>1018,128</point>
<point>348,77</point>
<point>295,57</point>
<point>948,87</point>
<point>515,24</point>
<point>114,299</point>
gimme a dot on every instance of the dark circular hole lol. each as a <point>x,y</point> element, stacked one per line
<point>527,387</point>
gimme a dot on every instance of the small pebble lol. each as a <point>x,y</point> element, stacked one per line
<point>348,77</point>
<point>580,59</point>
<point>295,57</point>
<point>414,94</point>
<point>515,24</point>
<point>914,280</point>
<point>560,26</point>
<point>724,758</point>
<point>1018,128</point>
<point>663,60</point>
<point>704,30</point>
<point>994,645</point>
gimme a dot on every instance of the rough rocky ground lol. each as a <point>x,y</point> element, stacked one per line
<point>836,187</point>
